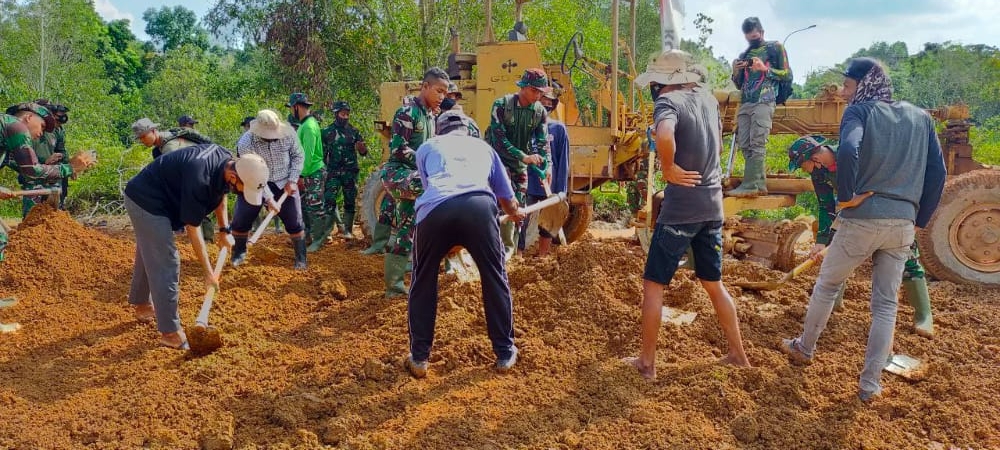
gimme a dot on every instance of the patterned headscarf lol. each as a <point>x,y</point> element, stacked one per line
<point>874,86</point>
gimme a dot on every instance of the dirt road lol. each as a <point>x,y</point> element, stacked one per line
<point>302,368</point>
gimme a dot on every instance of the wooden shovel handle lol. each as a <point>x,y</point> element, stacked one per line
<point>267,219</point>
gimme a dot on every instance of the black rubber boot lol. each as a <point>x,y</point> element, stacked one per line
<point>239,251</point>
<point>300,252</point>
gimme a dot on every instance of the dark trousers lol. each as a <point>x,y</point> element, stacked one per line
<point>290,212</point>
<point>468,220</point>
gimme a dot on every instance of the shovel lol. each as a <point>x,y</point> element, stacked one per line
<point>906,366</point>
<point>645,235</point>
<point>772,285</point>
<point>461,261</point>
<point>267,219</point>
<point>204,339</point>
<point>554,217</point>
<point>52,193</point>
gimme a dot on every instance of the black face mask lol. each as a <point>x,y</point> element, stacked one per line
<point>447,104</point>
<point>340,121</point>
<point>756,42</point>
<point>62,118</point>
<point>654,90</point>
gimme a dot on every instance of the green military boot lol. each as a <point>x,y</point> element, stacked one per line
<point>336,220</point>
<point>299,243</point>
<point>320,230</point>
<point>347,229</point>
<point>380,237</point>
<point>754,179</point>
<point>915,290</point>
<point>395,272</point>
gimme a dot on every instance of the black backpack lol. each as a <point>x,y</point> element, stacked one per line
<point>784,86</point>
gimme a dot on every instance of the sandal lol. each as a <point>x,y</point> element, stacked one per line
<point>144,313</point>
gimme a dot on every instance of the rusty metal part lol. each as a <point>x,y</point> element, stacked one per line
<point>769,243</point>
<point>975,237</point>
<point>772,285</point>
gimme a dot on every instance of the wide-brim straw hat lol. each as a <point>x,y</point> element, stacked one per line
<point>268,125</point>
<point>672,67</point>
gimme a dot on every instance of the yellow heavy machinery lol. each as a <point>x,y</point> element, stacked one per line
<point>608,143</point>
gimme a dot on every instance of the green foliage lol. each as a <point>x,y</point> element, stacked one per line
<point>175,27</point>
<point>610,205</point>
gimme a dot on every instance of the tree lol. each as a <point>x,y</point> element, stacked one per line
<point>171,28</point>
<point>126,60</point>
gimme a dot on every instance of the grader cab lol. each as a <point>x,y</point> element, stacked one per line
<point>607,133</point>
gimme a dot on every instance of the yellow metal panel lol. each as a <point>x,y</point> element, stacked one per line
<point>498,67</point>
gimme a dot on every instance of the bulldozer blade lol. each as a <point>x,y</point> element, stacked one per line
<point>677,316</point>
<point>203,340</point>
<point>906,366</point>
<point>463,266</point>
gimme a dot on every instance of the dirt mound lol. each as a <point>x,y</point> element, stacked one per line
<point>314,358</point>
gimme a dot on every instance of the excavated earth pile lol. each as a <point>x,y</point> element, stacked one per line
<point>314,359</point>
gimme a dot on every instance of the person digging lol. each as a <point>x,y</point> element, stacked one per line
<point>817,156</point>
<point>176,191</point>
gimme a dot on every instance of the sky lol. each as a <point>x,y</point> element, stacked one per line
<point>842,26</point>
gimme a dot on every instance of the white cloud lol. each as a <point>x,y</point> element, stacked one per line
<point>111,12</point>
<point>837,36</point>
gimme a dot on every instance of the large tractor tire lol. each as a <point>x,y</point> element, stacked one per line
<point>962,241</point>
<point>580,215</point>
<point>371,199</point>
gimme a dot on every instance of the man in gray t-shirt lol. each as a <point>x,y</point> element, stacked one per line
<point>687,130</point>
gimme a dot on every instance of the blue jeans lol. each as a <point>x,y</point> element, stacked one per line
<point>670,243</point>
<point>887,242</point>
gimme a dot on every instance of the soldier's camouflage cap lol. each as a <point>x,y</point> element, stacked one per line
<point>297,98</point>
<point>41,111</point>
<point>339,105</point>
<point>535,78</point>
<point>802,149</point>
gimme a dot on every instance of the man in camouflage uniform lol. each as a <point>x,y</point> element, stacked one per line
<point>55,170</point>
<point>518,133</point>
<point>313,175</point>
<point>412,124</point>
<point>61,113</point>
<point>818,156</point>
<point>341,145</point>
<point>50,149</point>
<point>29,121</point>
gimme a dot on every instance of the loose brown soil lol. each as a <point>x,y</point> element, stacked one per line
<point>314,358</point>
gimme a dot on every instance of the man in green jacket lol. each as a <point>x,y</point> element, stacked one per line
<point>818,157</point>
<point>313,175</point>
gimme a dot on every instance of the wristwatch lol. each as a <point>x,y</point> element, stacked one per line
<point>227,230</point>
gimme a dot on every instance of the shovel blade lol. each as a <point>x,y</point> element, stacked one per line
<point>463,266</point>
<point>677,316</point>
<point>204,340</point>
<point>645,236</point>
<point>553,217</point>
<point>907,367</point>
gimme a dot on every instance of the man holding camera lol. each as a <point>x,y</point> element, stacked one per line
<point>757,73</point>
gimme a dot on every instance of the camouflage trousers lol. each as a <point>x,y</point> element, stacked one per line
<point>313,208</point>
<point>403,184</point>
<point>386,210</point>
<point>519,183</point>
<point>912,269</point>
<point>337,181</point>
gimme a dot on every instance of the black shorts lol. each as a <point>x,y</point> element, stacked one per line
<point>670,243</point>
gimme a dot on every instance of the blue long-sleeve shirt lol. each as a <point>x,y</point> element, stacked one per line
<point>450,166</point>
<point>559,152</point>
<point>890,149</point>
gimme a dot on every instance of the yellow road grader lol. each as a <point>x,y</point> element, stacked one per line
<point>608,143</point>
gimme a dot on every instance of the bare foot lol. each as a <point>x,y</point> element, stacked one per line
<point>649,373</point>
<point>735,361</point>
<point>144,313</point>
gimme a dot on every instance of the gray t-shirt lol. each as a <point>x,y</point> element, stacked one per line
<point>697,133</point>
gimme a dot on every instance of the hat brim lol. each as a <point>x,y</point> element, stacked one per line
<point>283,130</point>
<point>289,105</point>
<point>667,79</point>
<point>254,196</point>
<point>544,89</point>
